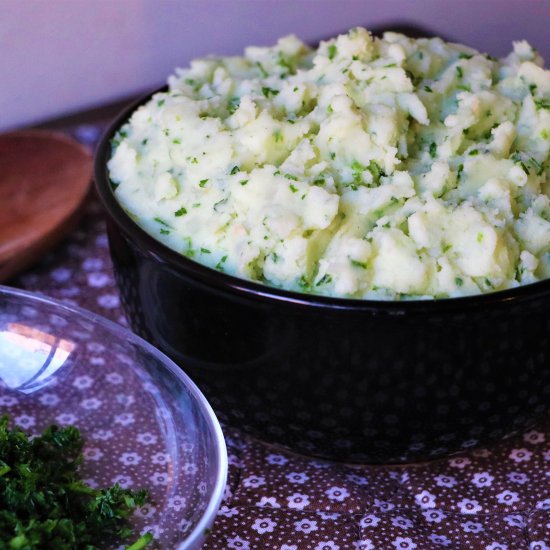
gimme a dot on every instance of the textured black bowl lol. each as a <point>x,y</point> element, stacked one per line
<point>354,380</point>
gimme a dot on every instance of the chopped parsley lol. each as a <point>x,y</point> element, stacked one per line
<point>465,56</point>
<point>324,280</point>
<point>458,281</point>
<point>243,182</point>
<point>205,251</point>
<point>234,170</point>
<point>433,149</point>
<point>203,182</point>
<point>332,51</point>
<point>233,104</point>
<point>293,188</point>
<point>262,70</point>
<point>161,221</point>
<point>304,284</point>
<point>376,171</point>
<point>219,265</point>
<point>517,158</point>
<point>428,89</point>
<point>542,103</point>
<point>180,212</point>
<point>44,502</point>
<point>459,71</point>
<point>269,91</point>
<point>356,263</point>
<point>291,177</point>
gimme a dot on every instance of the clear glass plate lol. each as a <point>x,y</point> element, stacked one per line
<point>145,424</point>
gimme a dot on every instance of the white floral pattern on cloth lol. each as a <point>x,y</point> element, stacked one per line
<point>486,499</point>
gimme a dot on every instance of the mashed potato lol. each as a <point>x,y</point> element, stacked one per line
<point>367,168</point>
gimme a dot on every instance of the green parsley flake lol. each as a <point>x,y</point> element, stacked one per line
<point>269,91</point>
<point>357,263</point>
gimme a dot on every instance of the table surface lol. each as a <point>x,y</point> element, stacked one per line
<point>496,498</point>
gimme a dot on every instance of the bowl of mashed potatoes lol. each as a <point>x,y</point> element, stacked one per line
<point>347,247</point>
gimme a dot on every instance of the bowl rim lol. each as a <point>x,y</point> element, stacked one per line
<point>214,502</point>
<point>224,283</point>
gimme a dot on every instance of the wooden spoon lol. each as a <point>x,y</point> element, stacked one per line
<point>44,177</point>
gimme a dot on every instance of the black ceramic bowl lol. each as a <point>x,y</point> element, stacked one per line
<point>354,380</point>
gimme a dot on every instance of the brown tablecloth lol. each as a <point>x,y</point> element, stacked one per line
<point>492,499</point>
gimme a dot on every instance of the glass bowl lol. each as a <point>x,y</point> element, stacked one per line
<point>145,424</point>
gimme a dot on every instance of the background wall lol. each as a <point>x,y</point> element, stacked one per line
<point>59,56</point>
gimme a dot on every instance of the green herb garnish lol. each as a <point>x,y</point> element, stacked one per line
<point>161,221</point>
<point>324,280</point>
<point>233,104</point>
<point>542,103</point>
<point>44,504</point>
<point>262,70</point>
<point>219,265</point>
<point>376,171</point>
<point>332,51</point>
<point>356,263</point>
<point>269,91</point>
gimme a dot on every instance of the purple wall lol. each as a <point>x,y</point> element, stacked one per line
<point>62,55</point>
